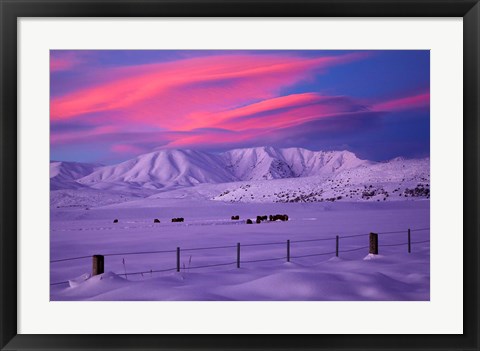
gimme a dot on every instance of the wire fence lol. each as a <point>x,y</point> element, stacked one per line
<point>373,248</point>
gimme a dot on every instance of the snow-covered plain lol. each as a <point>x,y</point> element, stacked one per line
<point>324,195</point>
<point>393,275</point>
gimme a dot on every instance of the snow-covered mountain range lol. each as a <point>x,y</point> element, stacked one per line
<point>251,174</point>
<point>172,167</point>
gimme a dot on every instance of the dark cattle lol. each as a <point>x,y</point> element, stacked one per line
<point>180,219</point>
<point>237,217</point>
<point>261,218</point>
<point>115,221</point>
<point>156,220</point>
<point>249,221</point>
<point>259,221</point>
<point>279,217</point>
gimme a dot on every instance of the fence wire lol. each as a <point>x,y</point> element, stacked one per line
<point>211,265</point>
<point>399,244</point>
<point>311,240</point>
<point>139,253</point>
<point>70,259</point>
<point>353,235</point>
<point>264,244</point>
<point>245,245</point>
<point>264,260</point>
<point>317,254</point>
<point>209,248</point>
<point>420,242</point>
<point>355,249</point>
<point>149,271</point>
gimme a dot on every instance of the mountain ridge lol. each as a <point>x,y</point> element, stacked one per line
<point>172,168</point>
<point>175,167</point>
<point>63,174</point>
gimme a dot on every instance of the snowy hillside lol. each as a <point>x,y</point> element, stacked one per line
<point>173,168</point>
<point>395,180</point>
<point>263,174</point>
<point>160,169</point>
<point>63,175</point>
<point>271,163</point>
<point>85,198</point>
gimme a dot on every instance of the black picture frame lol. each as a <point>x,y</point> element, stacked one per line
<point>12,10</point>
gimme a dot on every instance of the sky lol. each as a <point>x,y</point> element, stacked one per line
<point>107,106</point>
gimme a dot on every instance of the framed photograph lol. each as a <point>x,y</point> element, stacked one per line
<point>224,175</point>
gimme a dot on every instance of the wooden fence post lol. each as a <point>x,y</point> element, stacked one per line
<point>336,246</point>
<point>288,250</point>
<point>178,259</point>
<point>409,242</point>
<point>238,255</point>
<point>98,264</point>
<point>373,244</point>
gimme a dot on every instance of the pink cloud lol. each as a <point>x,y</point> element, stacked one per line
<point>284,111</point>
<point>165,93</point>
<point>243,124</point>
<point>66,137</point>
<point>199,120</point>
<point>173,101</point>
<point>63,62</point>
<point>405,103</point>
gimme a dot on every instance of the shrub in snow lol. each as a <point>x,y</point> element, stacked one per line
<point>419,191</point>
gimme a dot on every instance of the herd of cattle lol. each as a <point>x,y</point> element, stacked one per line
<point>260,219</point>
<point>271,218</point>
